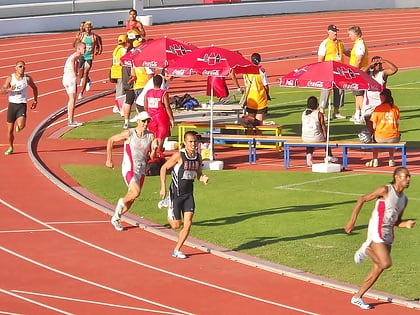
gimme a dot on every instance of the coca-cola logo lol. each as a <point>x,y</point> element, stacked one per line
<point>178,72</point>
<point>213,73</point>
<point>352,86</point>
<point>150,64</point>
<point>315,84</point>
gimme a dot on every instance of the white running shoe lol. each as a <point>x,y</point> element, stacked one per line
<point>339,116</point>
<point>89,82</point>
<point>115,109</point>
<point>359,302</point>
<point>164,203</point>
<point>119,208</point>
<point>80,96</point>
<point>116,223</point>
<point>178,254</point>
<point>359,255</point>
<point>75,124</point>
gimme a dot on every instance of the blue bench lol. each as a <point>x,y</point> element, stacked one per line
<point>346,145</point>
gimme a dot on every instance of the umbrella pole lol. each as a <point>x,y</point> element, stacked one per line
<point>328,128</point>
<point>211,121</point>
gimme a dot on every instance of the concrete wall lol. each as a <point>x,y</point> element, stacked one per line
<point>199,12</point>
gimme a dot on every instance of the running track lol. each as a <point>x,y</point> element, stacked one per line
<point>61,255</point>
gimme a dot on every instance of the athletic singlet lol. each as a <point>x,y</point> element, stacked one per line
<point>20,93</point>
<point>69,68</point>
<point>183,174</point>
<point>155,106</point>
<point>385,215</point>
<point>136,154</point>
<point>373,99</point>
<point>89,40</point>
<point>311,127</point>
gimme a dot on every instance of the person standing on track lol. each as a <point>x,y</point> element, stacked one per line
<point>389,208</point>
<point>17,86</point>
<point>70,81</point>
<point>186,166</point>
<point>140,145</point>
<point>332,48</point>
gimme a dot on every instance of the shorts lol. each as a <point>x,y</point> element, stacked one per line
<point>83,62</point>
<point>263,111</point>
<point>130,97</point>
<point>391,140</point>
<point>359,93</point>
<point>14,111</point>
<point>161,128</point>
<point>180,204</point>
<point>70,84</point>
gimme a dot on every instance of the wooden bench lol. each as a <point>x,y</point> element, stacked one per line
<point>274,129</point>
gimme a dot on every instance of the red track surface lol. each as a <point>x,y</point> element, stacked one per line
<point>60,255</point>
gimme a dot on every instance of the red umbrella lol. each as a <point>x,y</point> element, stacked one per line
<point>211,61</point>
<point>329,74</point>
<point>157,53</point>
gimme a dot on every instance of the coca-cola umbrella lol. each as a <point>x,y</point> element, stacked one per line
<point>327,75</point>
<point>157,53</point>
<point>211,61</point>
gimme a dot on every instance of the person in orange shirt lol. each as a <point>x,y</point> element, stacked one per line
<point>385,119</point>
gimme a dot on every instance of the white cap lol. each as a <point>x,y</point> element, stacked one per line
<point>141,116</point>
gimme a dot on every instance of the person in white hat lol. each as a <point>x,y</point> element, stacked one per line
<point>140,145</point>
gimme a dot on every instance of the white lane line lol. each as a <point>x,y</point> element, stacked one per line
<point>150,266</point>
<point>316,181</point>
<point>93,302</point>
<point>88,281</point>
<point>34,302</point>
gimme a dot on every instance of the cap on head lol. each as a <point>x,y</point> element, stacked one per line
<point>142,116</point>
<point>256,58</point>
<point>332,28</point>
<point>122,38</point>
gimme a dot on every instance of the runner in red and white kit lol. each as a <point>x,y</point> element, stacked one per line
<point>156,103</point>
<point>388,212</point>
<point>139,146</point>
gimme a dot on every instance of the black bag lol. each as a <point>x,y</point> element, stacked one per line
<point>153,166</point>
<point>249,121</point>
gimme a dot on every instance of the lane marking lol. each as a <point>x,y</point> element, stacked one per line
<point>34,302</point>
<point>88,281</point>
<point>93,302</point>
<point>251,297</point>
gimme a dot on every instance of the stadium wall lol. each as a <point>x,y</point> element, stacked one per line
<point>114,18</point>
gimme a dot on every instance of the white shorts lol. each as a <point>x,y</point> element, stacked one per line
<point>70,84</point>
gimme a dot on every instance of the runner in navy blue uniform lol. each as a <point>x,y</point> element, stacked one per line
<point>186,166</point>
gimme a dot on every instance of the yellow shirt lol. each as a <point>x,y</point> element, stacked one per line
<point>118,52</point>
<point>257,96</point>
<point>353,56</point>
<point>334,50</point>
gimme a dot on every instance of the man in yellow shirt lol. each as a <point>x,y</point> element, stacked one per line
<point>116,70</point>
<point>332,48</point>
